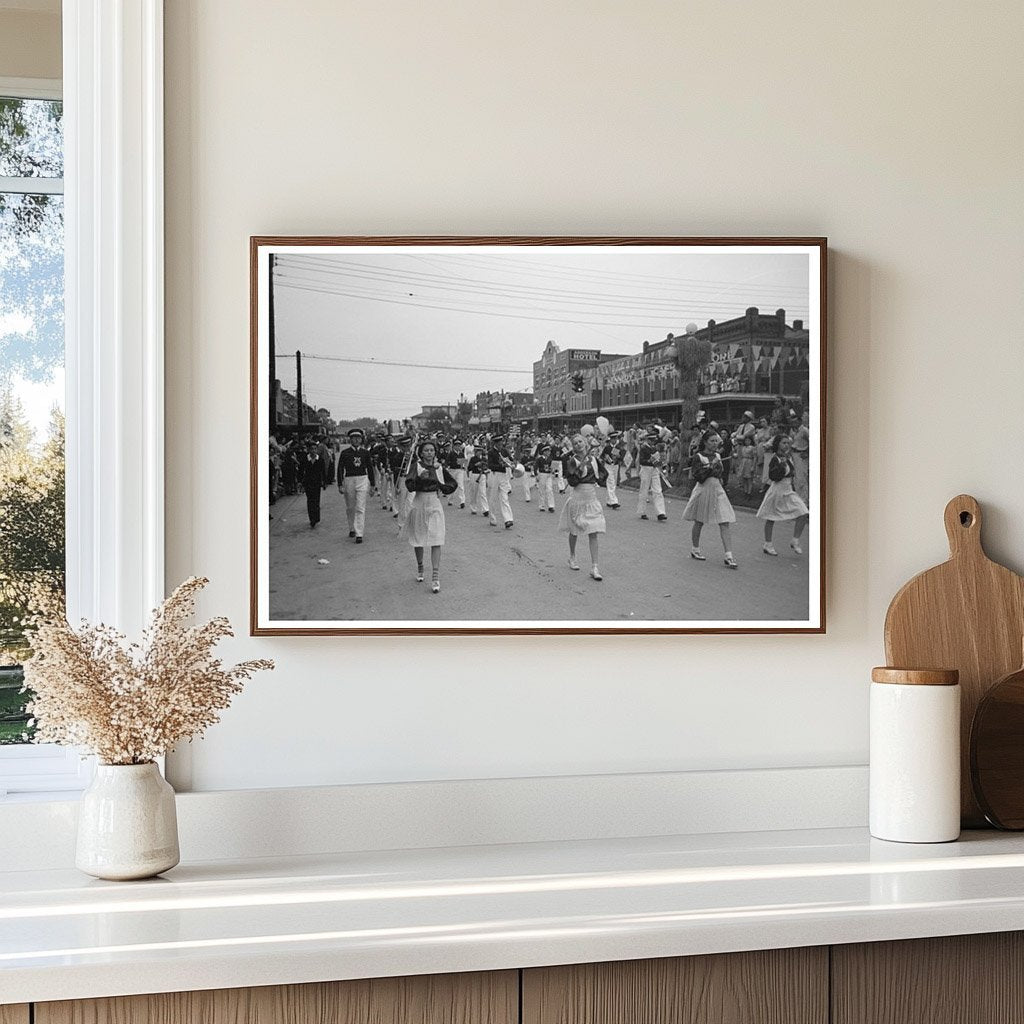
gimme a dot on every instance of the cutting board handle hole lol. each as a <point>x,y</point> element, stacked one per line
<point>966,519</point>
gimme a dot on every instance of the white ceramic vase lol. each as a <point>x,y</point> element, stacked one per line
<point>127,825</point>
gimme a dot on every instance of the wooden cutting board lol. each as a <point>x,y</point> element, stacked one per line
<point>997,752</point>
<point>967,614</point>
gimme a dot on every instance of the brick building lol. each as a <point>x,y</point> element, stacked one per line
<point>754,358</point>
<point>502,409</point>
<point>553,375</point>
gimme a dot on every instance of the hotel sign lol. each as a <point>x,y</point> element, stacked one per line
<point>583,354</point>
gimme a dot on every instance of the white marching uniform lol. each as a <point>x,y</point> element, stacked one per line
<point>558,473</point>
<point>355,489</point>
<point>459,497</point>
<point>386,486</point>
<point>650,484</point>
<point>546,490</point>
<point>613,479</point>
<point>354,469</point>
<point>478,493</point>
<point>498,490</point>
<point>527,481</point>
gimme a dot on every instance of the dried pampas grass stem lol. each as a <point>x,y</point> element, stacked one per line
<point>129,703</point>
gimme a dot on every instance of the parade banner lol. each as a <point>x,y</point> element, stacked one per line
<point>537,435</point>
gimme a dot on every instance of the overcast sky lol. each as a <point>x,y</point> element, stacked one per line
<point>492,314</point>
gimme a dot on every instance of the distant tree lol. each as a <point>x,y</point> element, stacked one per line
<point>367,423</point>
<point>437,421</point>
<point>463,412</point>
<point>31,243</point>
<point>32,549</point>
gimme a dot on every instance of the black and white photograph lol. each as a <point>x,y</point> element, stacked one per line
<point>537,435</point>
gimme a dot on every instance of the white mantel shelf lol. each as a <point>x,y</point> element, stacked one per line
<point>225,924</point>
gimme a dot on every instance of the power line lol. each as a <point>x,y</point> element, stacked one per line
<point>589,275</point>
<point>663,309</point>
<point>291,283</point>
<point>511,290</point>
<point>418,366</point>
<point>597,275</point>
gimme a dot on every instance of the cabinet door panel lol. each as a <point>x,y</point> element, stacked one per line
<point>14,1014</point>
<point>483,998</point>
<point>779,986</point>
<point>960,979</point>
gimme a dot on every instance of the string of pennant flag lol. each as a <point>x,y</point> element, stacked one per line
<point>731,359</point>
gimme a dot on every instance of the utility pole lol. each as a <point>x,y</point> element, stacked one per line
<point>298,386</point>
<point>272,378</point>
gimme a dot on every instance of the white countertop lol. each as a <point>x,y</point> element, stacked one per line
<point>225,924</point>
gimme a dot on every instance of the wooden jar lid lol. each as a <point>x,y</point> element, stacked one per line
<point>916,676</point>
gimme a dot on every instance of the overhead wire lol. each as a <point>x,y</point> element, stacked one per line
<point>393,300</point>
<point>423,366</point>
<point>667,305</point>
<point>504,265</point>
<point>540,269</point>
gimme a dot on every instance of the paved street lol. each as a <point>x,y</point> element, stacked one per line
<point>494,573</point>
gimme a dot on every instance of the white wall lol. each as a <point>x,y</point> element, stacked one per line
<point>30,41</point>
<point>895,129</point>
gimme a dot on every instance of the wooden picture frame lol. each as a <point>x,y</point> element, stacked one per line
<point>400,313</point>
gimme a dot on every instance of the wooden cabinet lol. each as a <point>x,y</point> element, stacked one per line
<point>491,998</point>
<point>778,986</point>
<point>962,979</point>
<point>967,979</point>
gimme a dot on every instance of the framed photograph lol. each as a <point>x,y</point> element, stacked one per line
<point>537,435</point>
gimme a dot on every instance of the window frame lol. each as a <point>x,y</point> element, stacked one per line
<point>37,767</point>
<point>112,90</point>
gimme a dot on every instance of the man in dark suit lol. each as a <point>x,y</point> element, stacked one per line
<point>313,482</point>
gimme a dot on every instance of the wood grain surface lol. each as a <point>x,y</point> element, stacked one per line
<point>481,998</point>
<point>915,676</point>
<point>997,752</point>
<point>779,986</point>
<point>967,614</point>
<point>962,979</point>
<point>14,1014</point>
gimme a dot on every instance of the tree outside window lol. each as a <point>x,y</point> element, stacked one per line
<point>31,386</point>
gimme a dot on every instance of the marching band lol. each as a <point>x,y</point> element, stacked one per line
<point>411,474</point>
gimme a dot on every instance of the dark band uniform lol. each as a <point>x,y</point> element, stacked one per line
<point>355,461</point>
<point>647,452</point>
<point>355,478</point>
<point>313,481</point>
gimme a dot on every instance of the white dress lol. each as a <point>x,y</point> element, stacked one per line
<point>708,501</point>
<point>782,502</point>
<point>424,527</point>
<point>582,513</point>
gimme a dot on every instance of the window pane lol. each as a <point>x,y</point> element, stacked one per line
<point>31,138</point>
<point>31,432</point>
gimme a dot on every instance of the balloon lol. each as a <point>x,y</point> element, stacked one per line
<point>586,430</point>
<point>604,426</point>
<point>691,328</point>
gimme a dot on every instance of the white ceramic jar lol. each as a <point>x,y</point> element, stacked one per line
<point>915,755</point>
<point>127,823</point>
